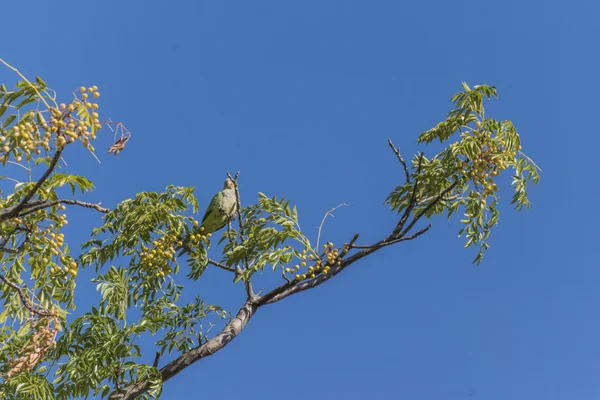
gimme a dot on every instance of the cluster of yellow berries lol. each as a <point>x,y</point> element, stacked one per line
<point>159,257</point>
<point>62,219</point>
<point>55,241</point>
<point>29,137</point>
<point>333,258</point>
<point>198,235</point>
<point>69,266</point>
<point>492,159</point>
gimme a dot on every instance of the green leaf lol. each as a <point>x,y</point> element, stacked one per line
<point>41,82</point>
<point>8,121</point>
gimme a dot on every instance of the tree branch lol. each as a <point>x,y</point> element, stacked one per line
<point>289,289</point>
<point>402,239</point>
<point>253,304</point>
<point>222,266</point>
<point>247,283</point>
<point>14,212</point>
<point>323,221</point>
<point>429,206</point>
<point>397,152</point>
<point>156,359</point>
<point>29,208</point>
<point>24,299</point>
<point>411,204</point>
<point>230,332</point>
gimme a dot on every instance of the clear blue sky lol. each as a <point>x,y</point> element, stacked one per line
<point>301,97</point>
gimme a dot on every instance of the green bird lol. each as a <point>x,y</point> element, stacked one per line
<point>221,210</point>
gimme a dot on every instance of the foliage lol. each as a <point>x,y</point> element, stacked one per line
<point>150,249</point>
<point>466,170</point>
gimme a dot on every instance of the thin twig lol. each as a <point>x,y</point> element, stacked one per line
<point>402,239</point>
<point>26,80</point>
<point>530,160</point>
<point>397,152</point>
<point>5,241</point>
<point>156,359</point>
<point>412,202</point>
<point>429,206</point>
<point>24,299</point>
<point>247,283</point>
<point>41,206</point>
<point>18,249</point>
<point>323,221</point>
<point>222,266</point>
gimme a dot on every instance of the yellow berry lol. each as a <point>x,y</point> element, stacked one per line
<point>82,89</point>
<point>96,94</point>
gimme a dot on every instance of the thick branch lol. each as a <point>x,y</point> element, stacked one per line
<point>287,289</point>
<point>14,212</point>
<point>231,330</point>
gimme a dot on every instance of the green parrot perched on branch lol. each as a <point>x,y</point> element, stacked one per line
<point>221,210</point>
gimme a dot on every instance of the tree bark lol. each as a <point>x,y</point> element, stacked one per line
<point>231,330</point>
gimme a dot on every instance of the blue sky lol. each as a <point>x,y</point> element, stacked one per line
<point>302,97</point>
